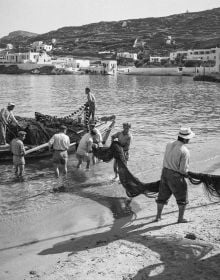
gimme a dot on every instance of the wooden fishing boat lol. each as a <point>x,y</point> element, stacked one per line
<point>41,128</point>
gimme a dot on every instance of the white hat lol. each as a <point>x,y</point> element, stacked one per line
<point>186,133</point>
<point>10,104</point>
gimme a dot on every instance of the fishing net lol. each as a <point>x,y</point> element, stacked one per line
<point>39,132</point>
<point>132,185</point>
<point>135,187</point>
<point>210,182</point>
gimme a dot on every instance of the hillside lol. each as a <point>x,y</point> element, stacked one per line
<point>16,37</point>
<point>189,30</point>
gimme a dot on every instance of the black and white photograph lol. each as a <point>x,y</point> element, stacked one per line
<point>109,140</point>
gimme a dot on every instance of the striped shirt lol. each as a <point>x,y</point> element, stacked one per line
<point>17,147</point>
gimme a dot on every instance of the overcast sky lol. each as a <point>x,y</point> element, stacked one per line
<point>41,16</point>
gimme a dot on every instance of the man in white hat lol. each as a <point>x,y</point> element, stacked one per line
<point>6,116</point>
<point>175,170</point>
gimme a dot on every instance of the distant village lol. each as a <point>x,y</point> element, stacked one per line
<point>39,55</point>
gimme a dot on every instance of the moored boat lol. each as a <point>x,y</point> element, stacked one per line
<point>41,128</point>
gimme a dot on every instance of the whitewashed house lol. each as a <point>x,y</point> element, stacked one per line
<point>108,67</point>
<point>9,47</point>
<point>40,46</point>
<point>127,55</point>
<point>28,57</point>
<point>158,59</point>
<point>63,62</point>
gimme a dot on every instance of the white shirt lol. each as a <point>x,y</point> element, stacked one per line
<point>60,141</point>
<point>85,145</point>
<point>98,137</point>
<point>177,157</point>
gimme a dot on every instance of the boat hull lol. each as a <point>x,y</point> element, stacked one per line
<point>104,127</point>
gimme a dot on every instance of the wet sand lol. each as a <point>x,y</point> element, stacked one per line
<point>112,240</point>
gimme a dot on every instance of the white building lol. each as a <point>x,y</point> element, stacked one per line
<point>127,55</point>
<point>28,57</point>
<point>106,67</point>
<point>9,47</point>
<point>158,59</point>
<point>204,55</point>
<point>63,62</point>
<point>40,46</point>
<point>198,54</point>
<point>174,55</point>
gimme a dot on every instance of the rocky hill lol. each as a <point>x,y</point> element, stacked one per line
<point>17,37</point>
<point>187,30</point>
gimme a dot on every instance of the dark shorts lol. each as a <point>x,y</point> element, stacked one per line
<point>172,183</point>
<point>60,157</point>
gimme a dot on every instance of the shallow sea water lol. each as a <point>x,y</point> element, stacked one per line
<point>156,108</point>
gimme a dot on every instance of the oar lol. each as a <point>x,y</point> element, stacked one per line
<point>41,147</point>
<point>36,148</point>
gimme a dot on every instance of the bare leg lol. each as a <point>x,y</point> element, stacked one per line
<point>65,168</point>
<point>93,159</point>
<point>16,171</point>
<point>21,170</point>
<point>159,212</point>
<point>79,163</point>
<point>115,167</point>
<point>56,169</point>
<point>87,164</point>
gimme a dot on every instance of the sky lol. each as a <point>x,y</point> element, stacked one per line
<point>41,16</point>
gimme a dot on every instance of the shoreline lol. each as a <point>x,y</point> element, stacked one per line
<point>105,250</point>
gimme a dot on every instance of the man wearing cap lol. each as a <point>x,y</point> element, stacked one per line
<point>91,102</point>
<point>18,151</point>
<point>6,116</point>
<point>124,137</point>
<point>60,143</point>
<point>175,170</point>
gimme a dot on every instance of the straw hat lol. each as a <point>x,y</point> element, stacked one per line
<point>186,133</point>
<point>10,104</point>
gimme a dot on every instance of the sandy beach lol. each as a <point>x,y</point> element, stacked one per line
<point>129,246</point>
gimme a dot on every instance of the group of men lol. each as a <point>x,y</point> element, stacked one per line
<point>175,162</point>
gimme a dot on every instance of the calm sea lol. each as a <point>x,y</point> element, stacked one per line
<point>155,106</point>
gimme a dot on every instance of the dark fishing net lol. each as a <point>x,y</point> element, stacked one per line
<point>132,185</point>
<point>135,187</point>
<point>38,133</point>
<point>210,182</point>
